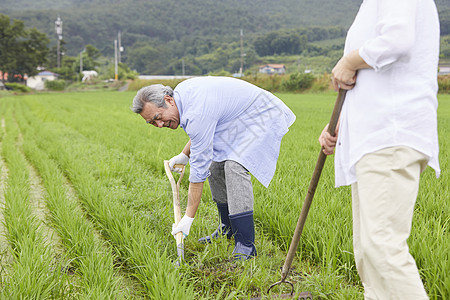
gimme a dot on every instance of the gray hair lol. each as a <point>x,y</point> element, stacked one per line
<point>154,94</point>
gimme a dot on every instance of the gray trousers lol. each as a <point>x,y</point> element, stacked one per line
<point>230,183</point>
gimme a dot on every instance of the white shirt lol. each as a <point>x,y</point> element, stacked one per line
<point>395,103</point>
<point>230,119</point>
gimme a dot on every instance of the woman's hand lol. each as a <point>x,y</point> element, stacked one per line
<point>344,73</point>
<point>327,141</point>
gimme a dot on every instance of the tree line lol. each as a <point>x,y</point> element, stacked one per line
<point>24,51</point>
<point>157,48</point>
<point>21,49</point>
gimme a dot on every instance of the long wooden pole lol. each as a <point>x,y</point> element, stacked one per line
<point>312,188</point>
<point>176,204</point>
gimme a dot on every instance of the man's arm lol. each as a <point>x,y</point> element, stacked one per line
<point>194,197</point>
<point>181,159</point>
<point>187,148</point>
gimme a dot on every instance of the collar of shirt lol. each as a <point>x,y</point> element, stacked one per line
<point>176,97</point>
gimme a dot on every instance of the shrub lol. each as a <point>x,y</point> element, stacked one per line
<point>124,72</point>
<point>270,83</point>
<point>444,84</point>
<point>220,73</point>
<point>140,83</point>
<point>55,85</point>
<point>17,87</point>
<point>298,82</point>
<point>322,84</point>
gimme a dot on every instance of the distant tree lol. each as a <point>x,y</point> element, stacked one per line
<point>262,44</point>
<point>445,51</point>
<point>313,50</point>
<point>92,52</point>
<point>70,66</point>
<point>21,50</point>
<point>444,18</point>
<point>124,72</point>
<point>298,82</point>
<point>280,42</point>
<point>90,56</point>
<point>147,59</point>
<point>190,68</point>
<point>52,55</point>
<point>213,62</point>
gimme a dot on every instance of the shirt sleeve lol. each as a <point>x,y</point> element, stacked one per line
<point>201,132</point>
<point>395,34</point>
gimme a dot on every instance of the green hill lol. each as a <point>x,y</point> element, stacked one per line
<point>97,21</point>
<point>174,29</point>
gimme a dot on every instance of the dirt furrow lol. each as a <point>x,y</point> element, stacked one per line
<point>128,284</point>
<point>41,212</point>
<point>5,257</point>
<point>39,209</point>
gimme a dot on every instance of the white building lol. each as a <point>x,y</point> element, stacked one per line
<point>444,69</point>
<point>37,82</point>
<point>272,69</point>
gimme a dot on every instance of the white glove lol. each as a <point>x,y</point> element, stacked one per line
<point>180,159</point>
<point>184,226</point>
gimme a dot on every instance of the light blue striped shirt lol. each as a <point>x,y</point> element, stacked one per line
<point>231,119</point>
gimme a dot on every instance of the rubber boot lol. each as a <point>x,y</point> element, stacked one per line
<point>224,227</point>
<point>244,235</point>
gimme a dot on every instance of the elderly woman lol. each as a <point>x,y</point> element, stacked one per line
<point>387,136</point>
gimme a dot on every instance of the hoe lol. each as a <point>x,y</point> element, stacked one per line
<point>305,208</point>
<point>176,207</point>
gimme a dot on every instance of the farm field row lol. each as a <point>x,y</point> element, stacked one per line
<point>86,209</point>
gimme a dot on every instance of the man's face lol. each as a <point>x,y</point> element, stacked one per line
<point>162,116</point>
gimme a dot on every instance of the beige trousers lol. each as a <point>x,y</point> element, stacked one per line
<point>383,204</point>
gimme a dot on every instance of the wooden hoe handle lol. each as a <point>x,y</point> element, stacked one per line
<point>312,187</point>
<point>176,203</point>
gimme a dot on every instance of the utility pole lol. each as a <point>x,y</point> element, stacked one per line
<point>119,38</point>
<point>81,63</point>
<point>116,67</point>
<point>182,66</point>
<point>58,28</point>
<point>242,54</point>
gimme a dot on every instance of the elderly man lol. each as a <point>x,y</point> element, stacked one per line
<point>234,129</point>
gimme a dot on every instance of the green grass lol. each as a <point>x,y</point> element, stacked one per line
<point>113,160</point>
<point>89,257</point>
<point>34,272</point>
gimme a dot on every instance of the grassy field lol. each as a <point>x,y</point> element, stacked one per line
<point>86,209</point>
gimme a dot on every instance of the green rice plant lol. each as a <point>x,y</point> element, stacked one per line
<point>90,258</point>
<point>128,235</point>
<point>34,273</point>
<point>85,121</point>
<point>114,161</point>
<point>327,237</point>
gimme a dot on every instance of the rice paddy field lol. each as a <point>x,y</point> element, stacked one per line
<point>86,209</point>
